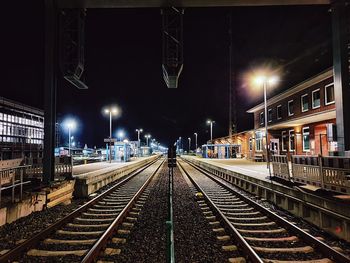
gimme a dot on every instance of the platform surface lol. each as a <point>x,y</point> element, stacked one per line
<point>93,167</point>
<point>250,168</point>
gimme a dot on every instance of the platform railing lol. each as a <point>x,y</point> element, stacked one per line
<point>63,167</point>
<point>10,178</point>
<point>326,172</point>
<point>280,166</point>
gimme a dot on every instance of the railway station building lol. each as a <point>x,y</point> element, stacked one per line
<point>301,121</point>
<point>21,130</point>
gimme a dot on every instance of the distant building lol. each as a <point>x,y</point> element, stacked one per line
<point>21,130</point>
<point>301,121</point>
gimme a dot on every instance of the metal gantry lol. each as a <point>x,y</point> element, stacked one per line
<point>172,35</point>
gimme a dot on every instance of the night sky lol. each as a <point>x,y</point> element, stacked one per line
<point>123,65</point>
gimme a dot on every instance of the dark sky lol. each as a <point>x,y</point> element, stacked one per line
<point>123,65</point>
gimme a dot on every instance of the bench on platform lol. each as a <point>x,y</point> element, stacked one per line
<point>258,157</point>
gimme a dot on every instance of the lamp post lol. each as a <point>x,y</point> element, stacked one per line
<point>147,136</point>
<point>196,135</point>
<point>113,110</point>
<point>265,81</point>
<point>189,144</point>
<point>70,124</point>
<point>210,122</point>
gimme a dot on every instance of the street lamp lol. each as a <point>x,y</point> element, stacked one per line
<point>147,136</point>
<point>111,111</point>
<point>265,80</point>
<point>121,135</point>
<point>189,144</point>
<point>70,125</point>
<point>138,140</point>
<point>196,135</point>
<point>210,122</point>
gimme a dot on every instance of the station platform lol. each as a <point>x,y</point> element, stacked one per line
<point>254,169</point>
<point>83,169</point>
<point>89,178</point>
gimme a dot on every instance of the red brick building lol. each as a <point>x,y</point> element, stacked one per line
<point>301,121</point>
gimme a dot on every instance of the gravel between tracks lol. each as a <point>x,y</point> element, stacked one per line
<point>147,240</point>
<point>194,238</point>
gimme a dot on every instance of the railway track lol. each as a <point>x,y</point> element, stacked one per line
<point>81,235</point>
<point>259,233</point>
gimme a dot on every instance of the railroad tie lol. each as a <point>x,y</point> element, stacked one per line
<point>118,240</point>
<point>219,230</point>
<point>70,242</point>
<point>229,248</point>
<point>78,233</point>
<point>305,249</point>
<point>214,224</point>
<point>323,260</point>
<point>111,251</point>
<point>262,231</point>
<point>237,260</point>
<point>131,219</point>
<point>49,253</point>
<point>273,239</point>
<point>88,226</point>
<point>223,238</point>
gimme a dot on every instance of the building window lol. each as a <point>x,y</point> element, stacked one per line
<point>262,118</point>
<point>258,141</point>
<point>291,140</point>
<point>304,103</point>
<point>306,139</point>
<point>284,141</point>
<point>329,94</point>
<point>269,115</point>
<point>279,112</point>
<point>316,99</point>
<point>290,108</point>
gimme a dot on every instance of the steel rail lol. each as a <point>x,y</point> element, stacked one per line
<point>31,242</point>
<point>323,247</point>
<point>242,243</point>
<point>94,252</point>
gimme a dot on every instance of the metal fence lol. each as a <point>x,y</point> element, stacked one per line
<point>330,173</point>
<point>11,178</point>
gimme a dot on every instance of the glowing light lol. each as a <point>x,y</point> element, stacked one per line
<point>121,134</point>
<point>113,110</point>
<point>70,124</point>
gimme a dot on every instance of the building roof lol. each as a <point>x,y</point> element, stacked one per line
<point>20,106</point>
<point>295,89</point>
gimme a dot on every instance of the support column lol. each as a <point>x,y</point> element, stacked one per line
<point>341,40</point>
<point>50,82</point>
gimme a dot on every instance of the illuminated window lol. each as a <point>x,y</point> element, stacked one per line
<point>279,112</point>
<point>284,141</point>
<point>329,94</point>
<point>269,115</point>
<point>316,99</point>
<point>290,108</point>
<point>262,118</point>
<point>304,103</point>
<point>306,139</point>
<point>258,141</point>
<point>291,140</point>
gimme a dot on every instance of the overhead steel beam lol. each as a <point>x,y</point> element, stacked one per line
<point>50,82</point>
<point>341,67</point>
<point>172,37</point>
<point>180,3</point>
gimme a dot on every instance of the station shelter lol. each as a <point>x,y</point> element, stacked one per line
<point>220,151</point>
<point>120,152</point>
